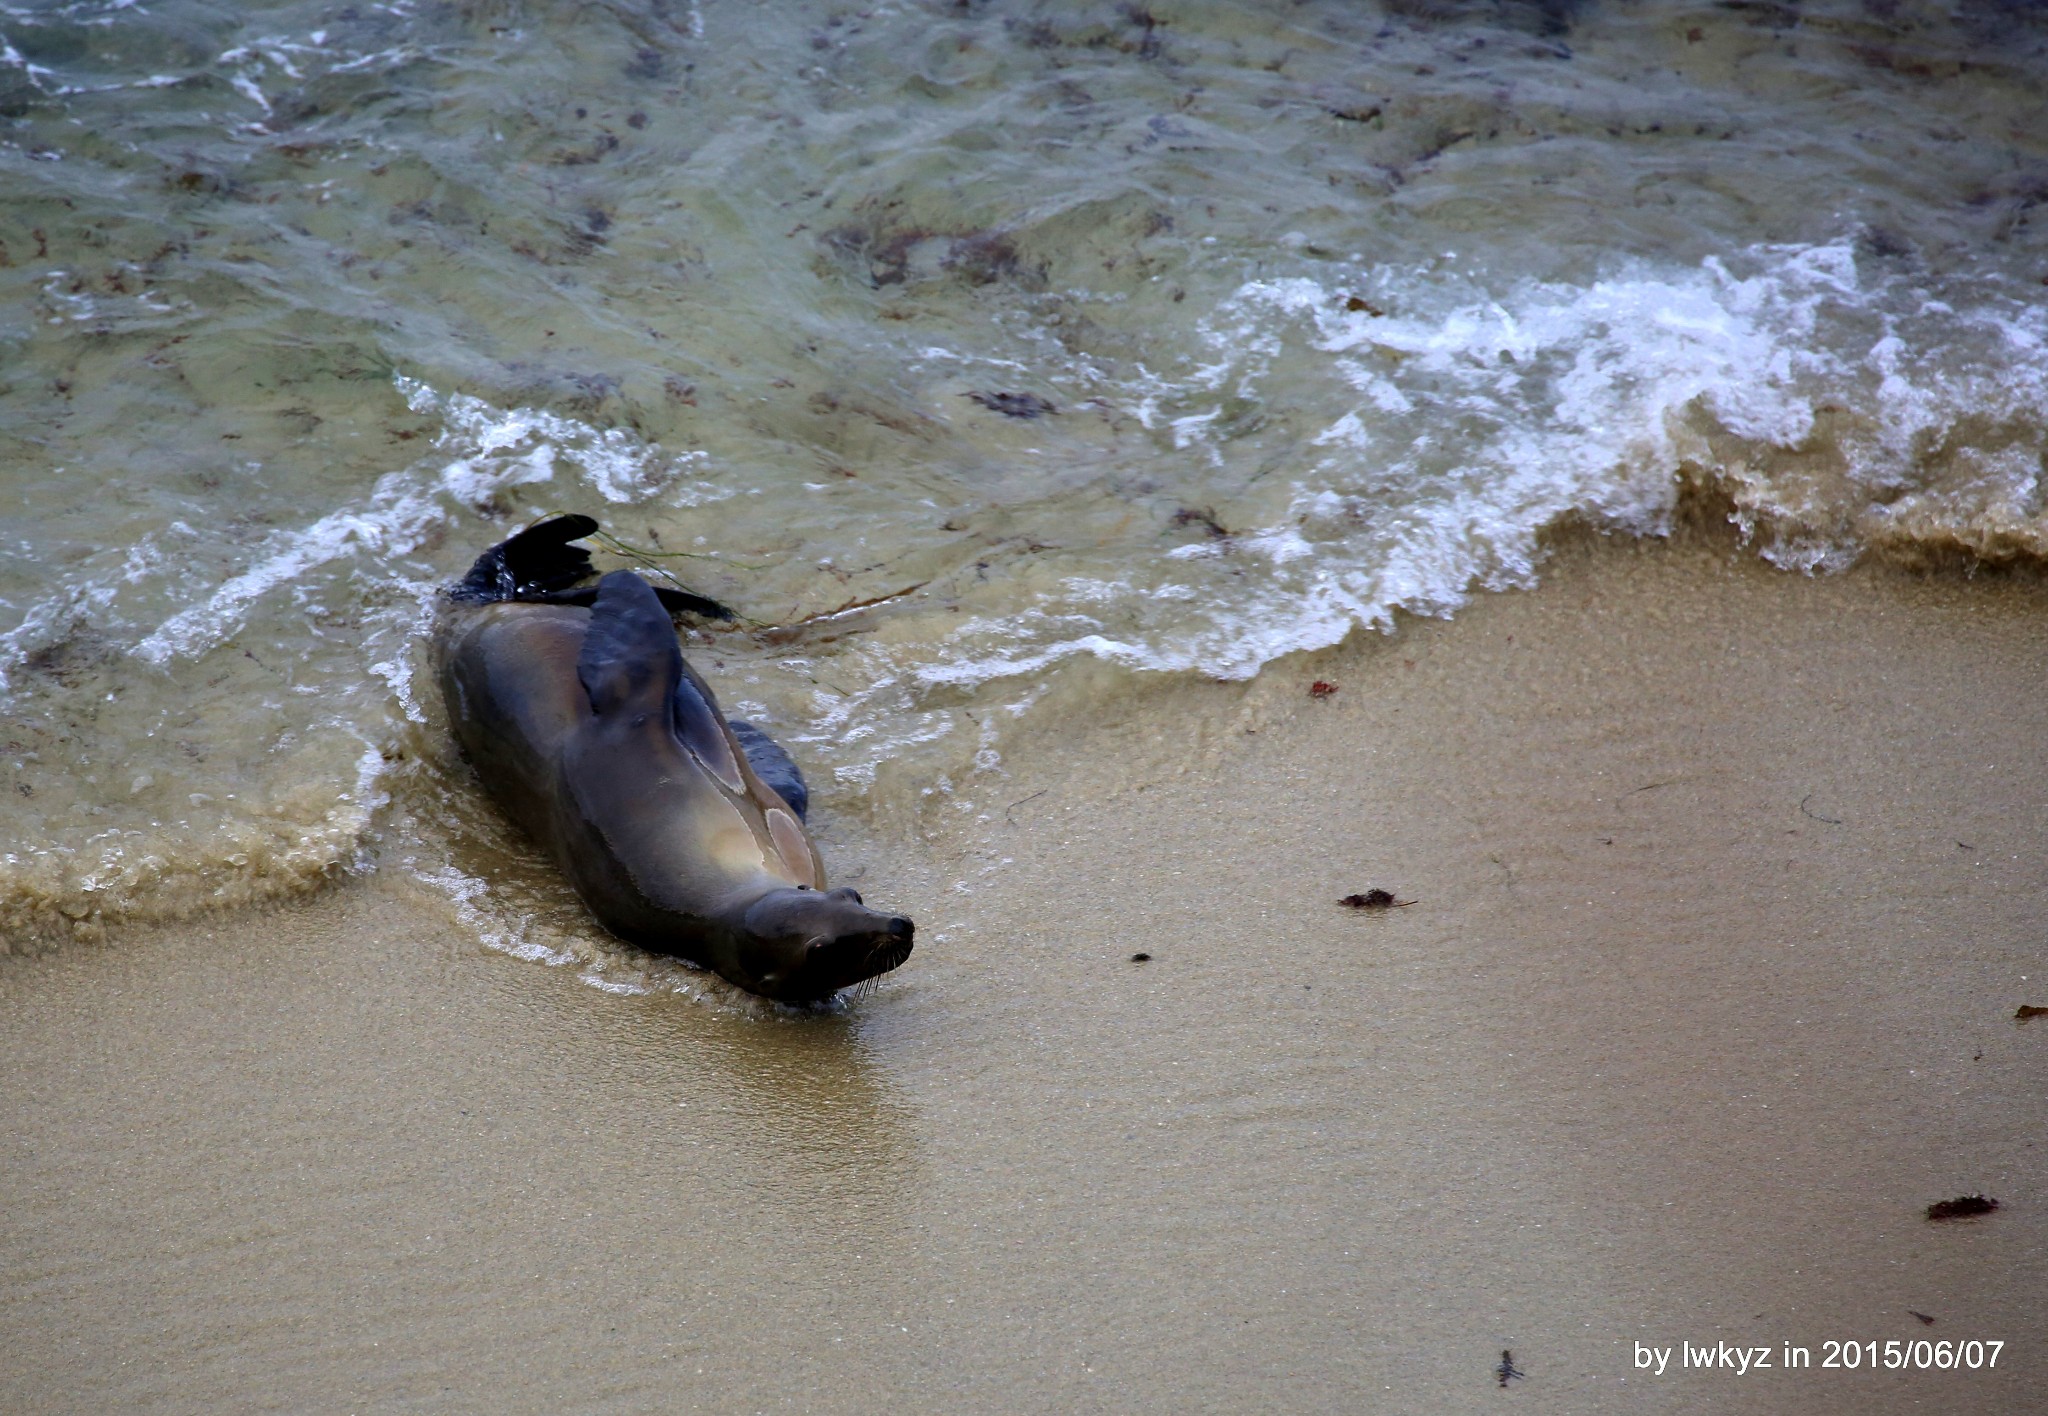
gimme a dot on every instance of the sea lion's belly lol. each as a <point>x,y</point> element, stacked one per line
<point>646,831</point>
<point>659,821</point>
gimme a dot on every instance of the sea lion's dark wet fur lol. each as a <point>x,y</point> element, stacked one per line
<point>681,831</point>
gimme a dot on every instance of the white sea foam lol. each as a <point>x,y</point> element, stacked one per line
<point>307,811</point>
<point>1475,419</point>
<point>622,988</point>
<point>496,448</point>
<point>394,522</point>
<point>493,928</point>
<point>1442,437</point>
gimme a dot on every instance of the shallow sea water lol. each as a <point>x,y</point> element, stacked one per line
<point>976,352</point>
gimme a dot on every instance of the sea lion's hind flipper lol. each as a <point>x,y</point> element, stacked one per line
<point>676,602</point>
<point>630,660</point>
<point>774,766</point>
<point>533,565</point>
<point>684,602</point>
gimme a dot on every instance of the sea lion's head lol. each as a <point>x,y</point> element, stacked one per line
<point>805,945</point>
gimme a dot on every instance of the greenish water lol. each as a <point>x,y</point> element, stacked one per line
<point>980,353</point>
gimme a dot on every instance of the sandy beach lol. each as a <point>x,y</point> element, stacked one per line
<point>1725,885</point>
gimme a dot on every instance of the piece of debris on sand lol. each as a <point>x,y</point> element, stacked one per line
<point>1375,900</point>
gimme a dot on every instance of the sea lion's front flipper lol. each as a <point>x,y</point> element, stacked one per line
<point>774,766</point>
<point>702,729</point>
<point>630,662</point>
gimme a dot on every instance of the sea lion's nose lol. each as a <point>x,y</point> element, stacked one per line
<point>900,927</point>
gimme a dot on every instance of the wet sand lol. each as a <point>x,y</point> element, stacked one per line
<point>1726,886</point>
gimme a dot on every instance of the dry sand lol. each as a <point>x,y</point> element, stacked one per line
<point>1726,886</point>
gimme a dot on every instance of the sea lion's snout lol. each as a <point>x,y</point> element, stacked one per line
<point>863,953</point>
<point>815,943</point>
<point>893,947</point>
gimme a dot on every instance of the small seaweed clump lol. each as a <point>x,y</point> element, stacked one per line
<point>1014,405</point>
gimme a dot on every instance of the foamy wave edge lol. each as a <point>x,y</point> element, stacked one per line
<point>55,892</point>
<point>1828,414</point>
<point>63,895</point>
<point>601,962</point>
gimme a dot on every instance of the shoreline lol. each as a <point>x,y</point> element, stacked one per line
<point>1726,886</point>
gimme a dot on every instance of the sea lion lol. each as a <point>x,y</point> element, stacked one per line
<point>682,832</point>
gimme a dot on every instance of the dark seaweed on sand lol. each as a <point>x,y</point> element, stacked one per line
<point>1961,1207</point>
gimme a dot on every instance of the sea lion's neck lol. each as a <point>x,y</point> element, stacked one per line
<point>747,893</point>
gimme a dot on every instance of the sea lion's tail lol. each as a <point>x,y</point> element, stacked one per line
<point>541,566</point>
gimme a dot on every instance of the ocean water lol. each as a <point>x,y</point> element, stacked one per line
<point>981,354</point>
